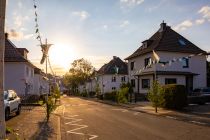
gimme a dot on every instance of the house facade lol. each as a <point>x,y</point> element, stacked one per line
<point>111,75</point>
<point>19,71</point>
<point>179,62</point>
<point>41,82</point>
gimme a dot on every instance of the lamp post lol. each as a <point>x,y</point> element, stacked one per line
<point>2,48</point>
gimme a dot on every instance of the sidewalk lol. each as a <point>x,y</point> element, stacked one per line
<point>197,114</point>
<point>31,124</point>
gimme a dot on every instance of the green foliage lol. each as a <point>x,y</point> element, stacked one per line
<point>128,85</point>
<point>122,95</point>
<point>174,96</point>
<point>111,96</point>
<point>50,107</point>
<point>98,90</point>
<point>154,95</point>
<point>84,94</point>
<point>79,72</point>
<point>92,93</point>
<point>56,92</point>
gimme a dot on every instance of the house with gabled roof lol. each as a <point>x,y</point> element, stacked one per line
<point>111,75</point>
<point>19,71</point>
<point>41,82</point>
<point>180,62</point>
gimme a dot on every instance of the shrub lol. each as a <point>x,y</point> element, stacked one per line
<point>92,93</point>
<point>174,96</point>
<point>122,95</point>
<point>111,96</point>
<point>154,95</point>
<point>84,94</point>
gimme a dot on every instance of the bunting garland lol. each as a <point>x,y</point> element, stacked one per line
<point>170,62</point>
<point>38,36</point>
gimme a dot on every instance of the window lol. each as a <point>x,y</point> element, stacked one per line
<point>182,42</point>
<point>170,81</point>
<point>133,82</point>
<point>113,88</point>
<point>147,61</point>
<point>27,71</point>
<point>113,79</point>
<point>145,83</point>
<point>132,65</point>
<point>185,63</point>
<point>123,79</point>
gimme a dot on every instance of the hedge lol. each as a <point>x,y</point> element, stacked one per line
<point>111,96</point>
<point>174,96</point>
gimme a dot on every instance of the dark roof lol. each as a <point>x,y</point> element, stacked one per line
<point>12,54</point>
<point>111,66</point>
<point>166,39</point>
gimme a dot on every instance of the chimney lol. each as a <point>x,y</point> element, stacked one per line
<point>114,57</point>
<point>162,26</point>
<point>6,35</point>
<point>23,52</point>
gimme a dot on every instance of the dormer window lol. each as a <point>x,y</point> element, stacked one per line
<point>182,42</point>
<point>144,45</point>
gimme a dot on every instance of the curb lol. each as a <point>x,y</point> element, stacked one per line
<point>59,128</point>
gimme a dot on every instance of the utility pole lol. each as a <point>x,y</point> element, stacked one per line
<point>2,47</point>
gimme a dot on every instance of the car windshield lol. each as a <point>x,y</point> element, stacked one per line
<point>5,95</point>
<point>206,90</point>
<point>197,90</point>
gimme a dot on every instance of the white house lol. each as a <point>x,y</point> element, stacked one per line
<point>180,62</point>
<point>19,71</point>
<point>41,82</point>
<point>111,75</point>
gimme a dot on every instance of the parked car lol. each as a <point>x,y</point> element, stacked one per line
<point>11,103</point>
<point>200,95</point>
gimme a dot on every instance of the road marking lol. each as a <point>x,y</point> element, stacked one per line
<point>64,108</point>
<point>122,110</point>
<point>170,117</point>
<point>196,122</point>
<point>73,122</point>
<point>136,113</point>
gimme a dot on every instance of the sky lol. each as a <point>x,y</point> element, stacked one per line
<point>97,30</point>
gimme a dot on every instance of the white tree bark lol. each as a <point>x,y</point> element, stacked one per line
<point>2,47</point>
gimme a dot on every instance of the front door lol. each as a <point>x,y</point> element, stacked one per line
<point>189,83</point>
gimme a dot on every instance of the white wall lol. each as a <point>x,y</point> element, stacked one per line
<point>197,65</point>
<point>40,81</point>
<point>106,80</point>
<point>16,76</point>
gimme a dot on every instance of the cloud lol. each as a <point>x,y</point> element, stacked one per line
<point>14,35</point>
<point>105,27</point>
<point>205,11</point>
<point>83,15</point>
<point>131,3</point>
<point>199,21</point>
<point>18,35</point>
<point>124,23</point>
<point>184,25</point>
<point>28,36</point>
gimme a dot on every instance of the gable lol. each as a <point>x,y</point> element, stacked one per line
<point>166,39</point>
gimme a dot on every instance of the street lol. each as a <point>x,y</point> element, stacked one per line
<point>84,119</point>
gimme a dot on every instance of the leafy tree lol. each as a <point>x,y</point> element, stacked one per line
<point>154,95</point>
<point>79,72</point>
<point>122,95</point>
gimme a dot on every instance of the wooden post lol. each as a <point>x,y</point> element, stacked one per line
<point>2,48</point>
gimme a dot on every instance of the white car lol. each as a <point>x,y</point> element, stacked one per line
<point>11,103</point>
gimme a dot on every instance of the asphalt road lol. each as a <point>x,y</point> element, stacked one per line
<point>83,119</point>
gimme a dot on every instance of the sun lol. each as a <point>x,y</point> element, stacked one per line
<point>62,55</point>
